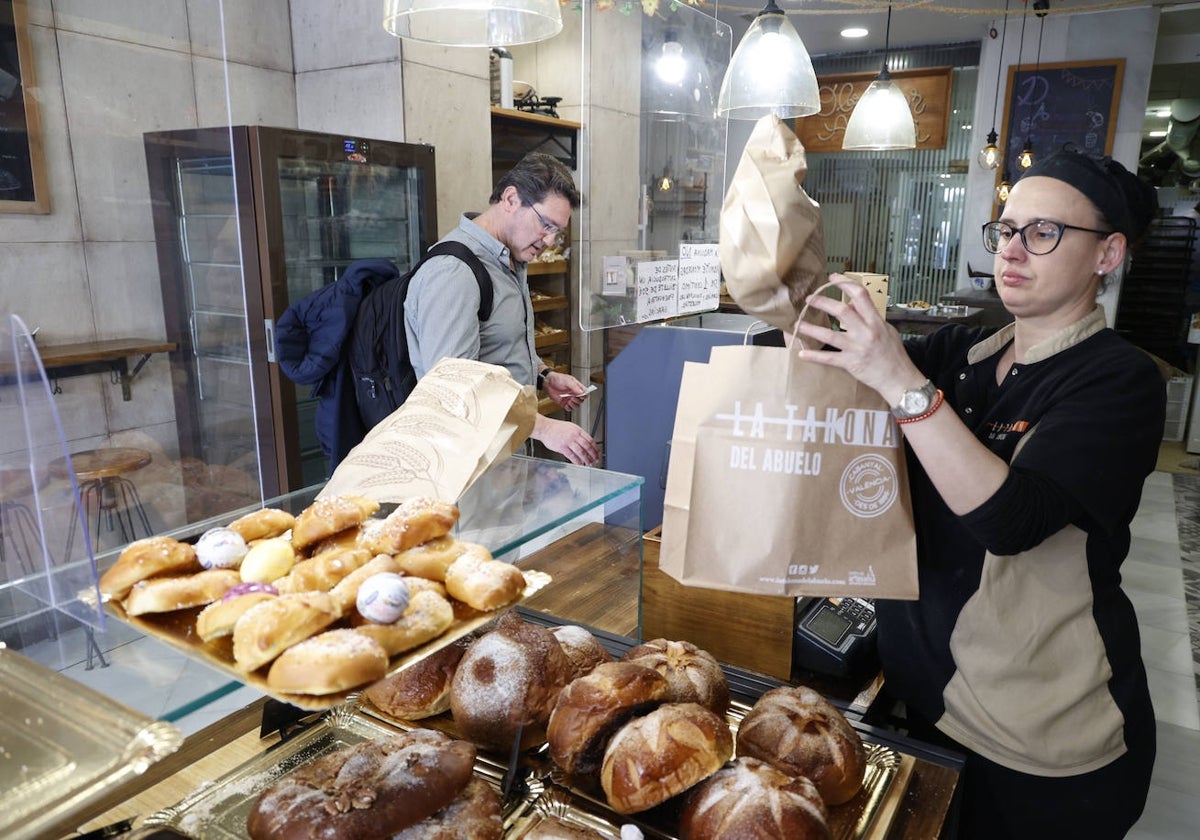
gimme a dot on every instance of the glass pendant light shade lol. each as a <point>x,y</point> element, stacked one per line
<point>675,82</point>
<point>770,72</point>
<point>1003,189</point>
<point>473,23</point>
<point>881,120</point>
<point>989,155</point>
<point>1025,159</point>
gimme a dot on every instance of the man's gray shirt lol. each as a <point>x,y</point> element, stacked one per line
<point>441,311</point>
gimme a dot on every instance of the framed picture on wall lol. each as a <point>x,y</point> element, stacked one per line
<point>1050,105</point>
<point>22,165</point>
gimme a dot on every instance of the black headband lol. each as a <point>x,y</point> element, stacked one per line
<point>1125,201</point>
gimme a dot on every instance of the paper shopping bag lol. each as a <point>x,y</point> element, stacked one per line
<point>786,478</point>
<point>463,417</point>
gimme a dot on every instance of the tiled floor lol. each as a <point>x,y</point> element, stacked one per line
<point>1162,577</point>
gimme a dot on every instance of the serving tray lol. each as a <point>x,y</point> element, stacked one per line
<point>178,629</point>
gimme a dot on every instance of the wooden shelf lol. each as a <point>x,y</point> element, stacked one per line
<point>548,340</point>
<point>539,269</point>
<point>551,303</point>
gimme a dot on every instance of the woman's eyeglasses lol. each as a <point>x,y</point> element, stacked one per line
<point>1039,237</point>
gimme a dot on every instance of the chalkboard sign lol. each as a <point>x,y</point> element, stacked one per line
<point>22,167</point>
<point>1050,105</point>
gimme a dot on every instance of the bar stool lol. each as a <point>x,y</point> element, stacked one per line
<point>18,530</point>
<point>104,488</point>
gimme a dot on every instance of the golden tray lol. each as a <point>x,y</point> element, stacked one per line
<point>178,629</point>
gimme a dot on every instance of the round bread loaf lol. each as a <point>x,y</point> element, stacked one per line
<point>799,732</point>
<point>652,758</point>
<point>473,815</point>
<point>695,675</point>
<point>481,582</point>
<point>583,650</point>
<point>370,790</point>
<point>145,559</point>
<point>422,689</point>
<point>165,594</point>
<point>749,799</point>
<point>507,683</point>
<point>592,707</point>
<point>327,663</point>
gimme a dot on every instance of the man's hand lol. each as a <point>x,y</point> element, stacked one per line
<point>565,390</point>
<point>566,439</point>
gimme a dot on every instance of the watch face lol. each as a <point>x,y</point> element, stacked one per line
<point>914,402</point>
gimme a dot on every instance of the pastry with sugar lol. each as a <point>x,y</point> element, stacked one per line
<point>269,628</point>
<point>652,758</point>
<point>323,572</point>
<point>327,663</point>
<point>798,731</point>
<point>483,583</point>
<point>167,594</point>
<point>413,522</point>
<point>430,559</point>
<point>263,524</point>
<point>146,559</point>
<point>750,798</point>
<point>326,517</point>
<point>427,616</point>
<point>218,618</point>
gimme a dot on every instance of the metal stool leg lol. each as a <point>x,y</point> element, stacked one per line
<point>16,528</point>
<point>93,650</point>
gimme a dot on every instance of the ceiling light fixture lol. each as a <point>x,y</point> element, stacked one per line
<point>770,72</point>
<point>854,32</point>
<point>990,155</point>
<point>473,23</point>
<point>1004,187</point>
<point>882,120</point>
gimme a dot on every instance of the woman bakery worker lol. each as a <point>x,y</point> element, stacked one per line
<point>1028,447</point>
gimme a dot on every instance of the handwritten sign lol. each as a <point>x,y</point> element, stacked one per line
<point>657,290</point>
<point>699,278</point>
<point>927,90</point>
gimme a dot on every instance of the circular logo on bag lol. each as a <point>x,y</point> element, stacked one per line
<point>869,486</point>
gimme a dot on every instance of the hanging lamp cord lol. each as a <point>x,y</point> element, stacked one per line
<point>887,39</point>
<point>999,64</point>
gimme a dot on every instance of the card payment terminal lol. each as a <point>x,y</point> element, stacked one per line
<point>834,636</point>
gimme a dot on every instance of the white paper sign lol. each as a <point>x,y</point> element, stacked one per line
<point>699,278</point>
<point>616,272</point>
<point>657,290</point>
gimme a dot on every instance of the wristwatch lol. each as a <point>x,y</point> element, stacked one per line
<point>541,378</point>
<point>916,402</point>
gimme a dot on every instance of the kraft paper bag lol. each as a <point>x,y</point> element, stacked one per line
<point>772,240</point>
<point>463,417</point>
<point>786,478</point>
<point>876,284</point>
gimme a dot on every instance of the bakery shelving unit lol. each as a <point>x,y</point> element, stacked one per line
<point>515,134</point>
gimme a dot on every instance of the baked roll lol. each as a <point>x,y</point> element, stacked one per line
<point>583,650</point>
<point>323,572</point>
<point>263,524</point>
<point>749,799</point>
<point>695,675</point>
<point>145,559</point>
<point>219,617</point>
<point>166,594</point>
<point>483,583</point>
<point>327,663</point>
<point>422,689</point>
<point>473,815</point>
<point>269,628</point>
<point>798,731</point>
<point>414,521</point>
<point>326,517</point>
<point>652,758</point>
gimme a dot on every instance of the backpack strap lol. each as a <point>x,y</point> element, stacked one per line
<point>451,248</point>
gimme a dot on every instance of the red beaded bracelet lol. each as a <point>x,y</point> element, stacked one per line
<point>937,403</point>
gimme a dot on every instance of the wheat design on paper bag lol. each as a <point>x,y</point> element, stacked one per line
<point>772,244</point>
<point>462,418</point>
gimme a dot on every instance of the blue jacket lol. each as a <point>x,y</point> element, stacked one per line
<point>312,346</point>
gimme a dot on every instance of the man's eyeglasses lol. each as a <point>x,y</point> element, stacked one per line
<point>547,225</point>
<point>1039,237</point>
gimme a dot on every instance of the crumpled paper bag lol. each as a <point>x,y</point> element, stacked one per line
<point>463,417</point>
<point>772,244</point>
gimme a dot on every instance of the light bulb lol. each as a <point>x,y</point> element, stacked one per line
<point>671,64</point>
<point>665,183</point>
<point>1003,190</point>
<point>989,155</point>
<point>1025,159</point>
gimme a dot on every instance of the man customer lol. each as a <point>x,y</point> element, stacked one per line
<point>1028,447</point>
<point>527,210</point>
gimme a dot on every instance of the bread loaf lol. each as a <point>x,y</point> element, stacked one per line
<point>695,675</point>
<point>507,682</point>
<point>326,517</point>
<point>269,628</point>
<point>427,616</point>
<point>146,559</point>
<point>367,791</point>
<point>327,663</point>
<point>583,650</point>
<point>263,524</point>
<point>473,815</point>
<point>323,572</point>
<point>219,617</point>
<point>749,799</point>
<point>179,592</point>
<point>414,521</point>
<point>655,757</point>
<point>481,582</point>
<point>422,689</point>
<point>799,732</point>
<point>592,707</point>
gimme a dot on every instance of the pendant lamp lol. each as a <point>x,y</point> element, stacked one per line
<point>1004,187</point>
<point>473,23</point>
<point>1025,159</point>
<point>881,120</point>
<point>990,155</point>
<point>770,72</point>
<point>675,82</point>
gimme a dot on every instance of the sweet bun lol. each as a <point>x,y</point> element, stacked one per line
<point>583,650</point>
<point>591,708</point>
<point>327,663</point>
<point>507,682</point>
<point>473,815</point>
<point>323,572</point>
<point>342,539</point>
<point>145,559</point>
<point>422,689</point>
<point>166,594</point>
<point>748,798</point>
<point>483,583</point>
<point>798,731</point>
<point>414,521</point>
<point>218,618</point>
<point>269,628</point>
<point>652,758</point>
<point>427,616</point>
<point>345,591</point>
<point>326,517</point>
<point>430,559</point>
<point>370,790</point>
<point>263,524</point>
<point>695,675</point>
